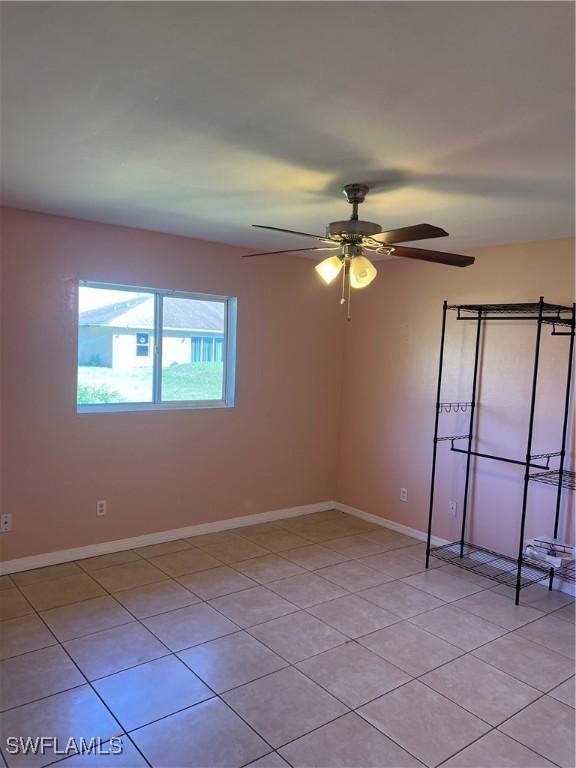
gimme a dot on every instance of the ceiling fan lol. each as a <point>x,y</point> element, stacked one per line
<point>349,239</point>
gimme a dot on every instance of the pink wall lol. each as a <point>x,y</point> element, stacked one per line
<point>159,470</point>
<point>391,363</point>
<point>301,431</point>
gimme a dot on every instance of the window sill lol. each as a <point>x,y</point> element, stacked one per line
<point>168,406</point>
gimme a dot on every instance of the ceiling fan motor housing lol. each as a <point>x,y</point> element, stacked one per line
<point>353,228</point>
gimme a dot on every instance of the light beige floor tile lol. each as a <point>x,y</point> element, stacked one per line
<point>353,674</point>
<point>478,687</point>
<point>150,691</point>
<point>216,582</point>
<point>231,661</point>
<point>495,750</point>
<point>207,539</point>
<point>396,568</point>
<point>128,576</point>
<point>402,599</point>
<point>209,734</point>
<point>314,556</point>
<point>445,586</point>
<point>164,548</point>
<point>24,634</point>
<point>566,613</point>
<point>45,574</point>
<point>354,546</point>
<point>253,606</point>
<point>335,529</point>
<point>537,596</point>
<point>128,758</point>
<point>391,540</point>
<point>268,568</point>
<point>36,675</point>
<point>160,597</point>
<point>546,726</point>
<point>306,589</point>
<point>69,589</point>
<point>410,648</point>
<point>458,627</point>
<point>349,742</point>
<point>303,521</point>
<point>297,636</point>
<point>77,619</point>
<point>189,626</point>
<point>527,661</point>
<point>468,576</point>
<point>235,550</point>
<point>565,693</point>
<point>353,615</point>
<point>76,714</point>
<point>284,705</point>
<point>353,576</point>
<point>6,582</point>
<point>248,531</point>
<point>186,561</point>
<point>272,760</point>
<point>498,609</point>
<point>552,633</point>
<point>13,604</point>
<point>442,729</point>
<point>276,540</point>
<point>91,564</point>
<point>113,650</point>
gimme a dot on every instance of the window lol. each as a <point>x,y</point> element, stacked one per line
<point>142,345</point>
<point>145,349</point>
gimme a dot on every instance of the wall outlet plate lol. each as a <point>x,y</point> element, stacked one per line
<point>101,507</point>
<point>452,508</point>
<point>6,523</point>
<point>403,494</point>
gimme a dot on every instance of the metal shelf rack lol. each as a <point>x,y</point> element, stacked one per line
<point>516,572</point>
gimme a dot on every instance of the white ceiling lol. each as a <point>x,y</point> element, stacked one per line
<point>203,118</point>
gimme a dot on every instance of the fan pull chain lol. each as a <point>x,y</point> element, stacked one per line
<point>348,315</point>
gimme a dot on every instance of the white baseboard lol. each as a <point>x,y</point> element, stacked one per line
<point>108,547</point>
<point>391,524</point>
<point>563,586</point>
<point>119,545</point>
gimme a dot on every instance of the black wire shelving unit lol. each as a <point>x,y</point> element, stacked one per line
<point>516,572</point>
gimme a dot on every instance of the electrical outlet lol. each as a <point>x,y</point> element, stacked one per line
<point>403,494</point>
<point>101,507</point>
<point>6,523</point>
<point>452,508</point>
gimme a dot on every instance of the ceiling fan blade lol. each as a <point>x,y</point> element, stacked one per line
<point>407,234</point>
<point>291,232</point>
<point>290,250</point>
<point>452,259</point>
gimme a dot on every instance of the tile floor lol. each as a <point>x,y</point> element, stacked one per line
<point>316,641</point>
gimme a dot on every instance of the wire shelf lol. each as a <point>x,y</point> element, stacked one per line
<point>491,565</point>
<point>552,477</point>
<point>453,407</point>
<point>567,572</point>
<point>452,437</point>
<point>523,308</point>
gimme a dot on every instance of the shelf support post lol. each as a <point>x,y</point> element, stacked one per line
<point>564,432</point>
<point>529,448</point>
<point>471,429</point>
<point>436,419</point>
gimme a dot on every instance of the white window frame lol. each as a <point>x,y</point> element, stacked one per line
<point>228,357</point>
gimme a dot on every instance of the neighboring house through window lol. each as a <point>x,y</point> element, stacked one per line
<point>144,348</point>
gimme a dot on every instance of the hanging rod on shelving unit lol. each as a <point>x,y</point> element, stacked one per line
<point>454,407</point>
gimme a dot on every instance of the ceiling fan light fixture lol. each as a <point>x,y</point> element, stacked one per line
<point>362,272</point>
<point>329,269</point>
